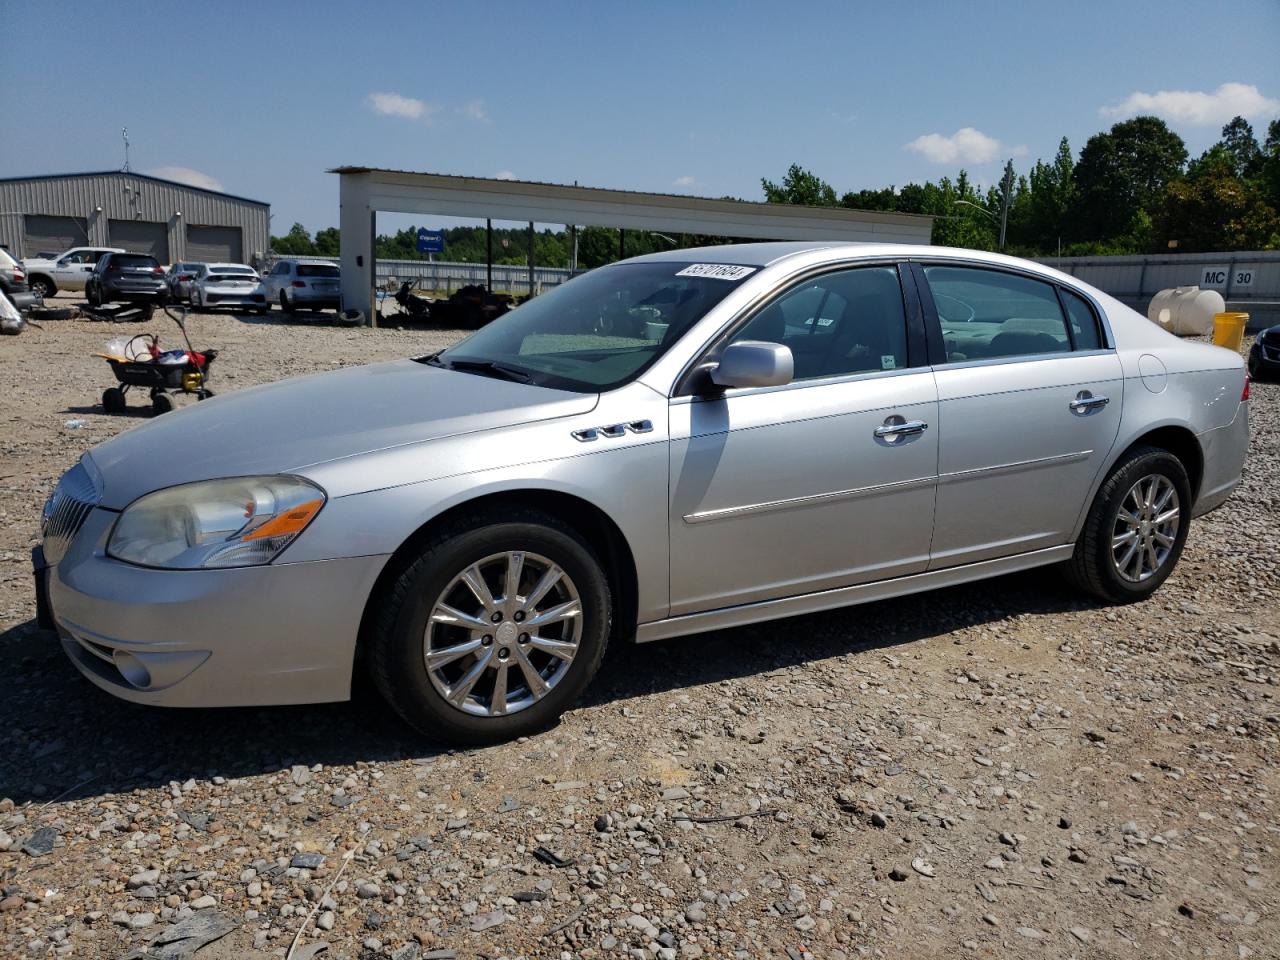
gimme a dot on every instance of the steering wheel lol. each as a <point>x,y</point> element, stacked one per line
<point>937,297</point>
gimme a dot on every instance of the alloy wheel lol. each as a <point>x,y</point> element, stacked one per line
<point>503,634</point>
<point>1146,528</point>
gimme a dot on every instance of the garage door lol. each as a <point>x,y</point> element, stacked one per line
<point>214,244</point>
<point>44,234</point>
<point>141,236</point>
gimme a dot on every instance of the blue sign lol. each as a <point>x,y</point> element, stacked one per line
<point>430,241</point>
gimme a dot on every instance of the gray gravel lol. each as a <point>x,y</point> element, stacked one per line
<point>999,770</point>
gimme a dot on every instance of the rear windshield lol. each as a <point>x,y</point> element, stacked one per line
<point>235,270</point>
<point>317,270</point>
<point>135,260</point>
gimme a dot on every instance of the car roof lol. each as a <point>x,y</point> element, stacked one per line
<point>229,266</point>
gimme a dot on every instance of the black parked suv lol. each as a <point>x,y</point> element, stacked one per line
<point>126,278</point>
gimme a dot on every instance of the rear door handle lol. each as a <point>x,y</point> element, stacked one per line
<point>896,428</point>
<point>1086,402</point>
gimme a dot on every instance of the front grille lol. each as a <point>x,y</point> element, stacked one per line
<point>73,498</point>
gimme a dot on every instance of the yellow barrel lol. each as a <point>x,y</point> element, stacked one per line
<point>1228,330</point>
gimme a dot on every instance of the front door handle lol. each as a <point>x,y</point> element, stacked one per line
<point>896,428</point>
<point>1086,402</point>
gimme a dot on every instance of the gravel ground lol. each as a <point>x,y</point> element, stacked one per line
<point>1000,770</point>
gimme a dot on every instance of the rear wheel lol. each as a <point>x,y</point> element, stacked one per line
<point>91,294</point>
<point>42,287</point>
<point>1136,528</point>
<point>494,630</point>
<point>113,400</point>
<point>285,305</point>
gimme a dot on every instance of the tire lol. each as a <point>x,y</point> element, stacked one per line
<point>261,311</point>
<point>51,313</point>
<point>285,305</point>
<point>90,294</point>
<point>161,403</point>
<point>1096,565</point>
<point>197,300</point>
<point>41,286</point>
<point>204,394</point>
<point>485,542</point>
<point>113,400</point>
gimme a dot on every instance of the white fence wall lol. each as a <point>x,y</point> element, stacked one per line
<point>448,276</point>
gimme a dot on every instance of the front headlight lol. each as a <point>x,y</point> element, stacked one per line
<point>237,522</point>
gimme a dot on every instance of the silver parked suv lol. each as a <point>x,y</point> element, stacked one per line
<point>303,285</point>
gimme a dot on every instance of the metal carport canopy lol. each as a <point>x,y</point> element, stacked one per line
<point>363,191</point>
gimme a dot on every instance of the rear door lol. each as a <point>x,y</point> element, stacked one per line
<point>824,482</point>
<point>1029,400</point>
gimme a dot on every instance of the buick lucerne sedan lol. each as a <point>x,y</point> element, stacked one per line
<point>668,445</point>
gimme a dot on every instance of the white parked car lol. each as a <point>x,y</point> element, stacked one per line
<point>68,272</point>
<point>228,285</point>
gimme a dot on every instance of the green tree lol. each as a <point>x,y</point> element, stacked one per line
<point>1213,208</point>
<point>799,186</point>
<point>1237,140</point>
<point>1125,172</point>
<point>297,242</point>
<point>328,242</point>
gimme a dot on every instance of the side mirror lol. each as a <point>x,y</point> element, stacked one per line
<point>754,363</point>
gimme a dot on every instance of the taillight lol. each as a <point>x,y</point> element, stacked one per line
<point>112,267</point>
<point>1244,394</point>
<point>297,283</point>
<point>159,270</point>
<point>18,274</point>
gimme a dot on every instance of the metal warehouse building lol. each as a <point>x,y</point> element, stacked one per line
<point>143,214</point>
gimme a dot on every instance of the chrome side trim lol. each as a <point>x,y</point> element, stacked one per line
<point>846,596</point>
<point>795,502</point>
<point>960,476</point>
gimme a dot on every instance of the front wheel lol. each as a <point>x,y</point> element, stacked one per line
<point>1136,528</point>
<point>161,403</point>
<point>494,630</point>
<point>113,400</point>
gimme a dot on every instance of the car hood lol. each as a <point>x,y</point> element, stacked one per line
<point>286,426</point>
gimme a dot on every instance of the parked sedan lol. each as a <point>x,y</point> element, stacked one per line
<point>772,429</point>
<point>126,278</point>
<point>179,279</point>
<point>228,285</point>
<point>1264,355</point>
<point>303,285</point>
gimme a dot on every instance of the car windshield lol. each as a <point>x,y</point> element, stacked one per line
<point>599,330</point>
<point>317,270</point>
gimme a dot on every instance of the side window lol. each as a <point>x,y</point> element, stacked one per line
<point>840,323</point>
<point>986,313</point>
<point>1084,325</point>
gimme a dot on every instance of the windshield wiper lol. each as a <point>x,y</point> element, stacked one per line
<point>486,368</point>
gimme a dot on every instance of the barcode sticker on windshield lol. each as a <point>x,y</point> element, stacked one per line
<point>716,271</point>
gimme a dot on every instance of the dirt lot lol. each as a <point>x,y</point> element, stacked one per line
<point>1004,770</point>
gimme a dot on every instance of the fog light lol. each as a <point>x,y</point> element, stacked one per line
<point>132,669</point>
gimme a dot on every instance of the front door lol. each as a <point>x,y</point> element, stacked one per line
<point>1029,408</point>
<point>825,482</point>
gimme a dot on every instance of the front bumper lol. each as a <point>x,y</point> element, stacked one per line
<point>279,634</point>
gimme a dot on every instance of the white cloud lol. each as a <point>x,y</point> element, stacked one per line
<point>186,175</point>
<point>683,182</point>
<point>476,110</point>
<point>1021,150</point>
<point>966,145</point>
<point>504,175</point>
<point>1197,107</point>
<point>396,105</point>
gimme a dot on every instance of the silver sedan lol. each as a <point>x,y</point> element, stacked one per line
<point>673,444</point>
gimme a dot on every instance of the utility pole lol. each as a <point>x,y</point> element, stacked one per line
<point>1007,193</point>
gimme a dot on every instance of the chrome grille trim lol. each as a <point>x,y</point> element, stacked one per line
<point>75,496</point>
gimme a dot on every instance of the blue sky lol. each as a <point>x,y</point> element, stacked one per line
<point>696,97</point>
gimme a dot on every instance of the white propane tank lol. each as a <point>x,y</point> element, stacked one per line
<point>1186,311</point>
